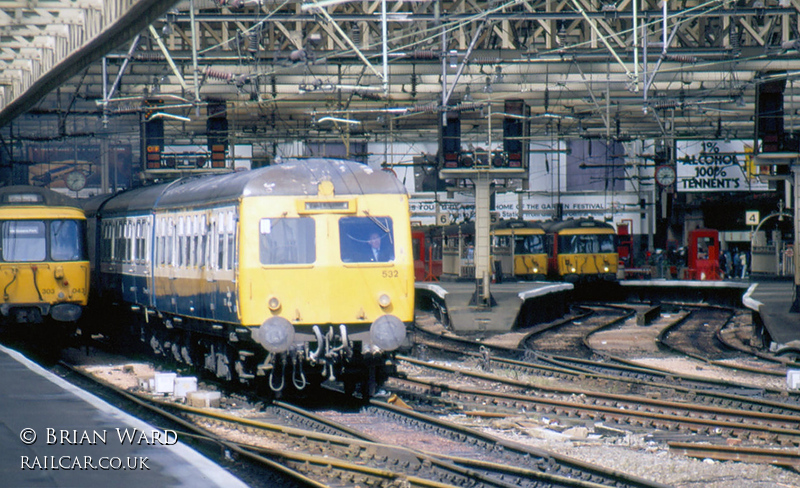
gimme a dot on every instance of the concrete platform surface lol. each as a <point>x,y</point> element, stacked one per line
<point>54,434</point>
<point>772,300</point>
<point>516,304</point>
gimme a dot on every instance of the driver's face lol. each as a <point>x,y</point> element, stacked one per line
<point>375,240</point>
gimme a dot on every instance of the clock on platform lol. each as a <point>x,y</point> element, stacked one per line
<point>75,180</point>
<point>665,175</point>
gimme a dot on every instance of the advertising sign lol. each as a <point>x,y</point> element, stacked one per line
<point>716,166</point>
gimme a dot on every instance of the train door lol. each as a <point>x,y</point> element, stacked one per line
<point>704,254</point>
<point>625,247</point>
<point>418,247</point>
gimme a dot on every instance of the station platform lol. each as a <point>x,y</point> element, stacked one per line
<point>727,293</point>
<point>770,302</point>
<point>56,435</point>
<point>516,304</point>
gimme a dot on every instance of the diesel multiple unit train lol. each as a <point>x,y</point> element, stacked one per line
<point>574,250</point>
<point>44,268</point>
<point>284,277</point>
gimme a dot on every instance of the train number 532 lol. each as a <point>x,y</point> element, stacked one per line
<point>390,273</point>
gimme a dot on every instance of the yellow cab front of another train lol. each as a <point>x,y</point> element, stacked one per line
<point>582,250</point>
<point>44,269</point>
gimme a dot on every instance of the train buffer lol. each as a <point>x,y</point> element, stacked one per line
<point>515,304</point>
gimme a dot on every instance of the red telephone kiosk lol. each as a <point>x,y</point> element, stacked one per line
<point>703,255</point>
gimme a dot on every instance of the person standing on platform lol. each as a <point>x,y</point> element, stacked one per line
<point>743,263</point>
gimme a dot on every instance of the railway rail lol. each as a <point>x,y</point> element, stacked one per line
<point>778,457</point>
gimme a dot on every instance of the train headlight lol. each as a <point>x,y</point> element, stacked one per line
<point>573,269</point>
<point>387,332</point>
<point>535,270</point>
<point>384,300</point>
<point>605,269</point>
<point>273,303</point>
<point>276,334</point>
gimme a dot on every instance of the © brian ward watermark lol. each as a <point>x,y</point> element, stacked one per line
<point>75,437</point>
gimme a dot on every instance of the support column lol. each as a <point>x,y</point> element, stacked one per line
<point>796,212</point>
<point>483,265</point>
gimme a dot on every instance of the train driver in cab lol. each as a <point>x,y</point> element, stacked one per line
<point>378,252</point>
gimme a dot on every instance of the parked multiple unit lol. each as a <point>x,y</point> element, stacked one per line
<point>266,277</point>
<point>574,250</point>
<point>581,250</point>
<point>44,267</point>
<point>518,248</point>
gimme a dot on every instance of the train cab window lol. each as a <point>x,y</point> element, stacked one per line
<point>608,243</point>
<point>23,241</point>
<point>287,241</point>
<point>586,244</point>
<point>532,244</point>
<point>66,240</point>
<point>365,239</point>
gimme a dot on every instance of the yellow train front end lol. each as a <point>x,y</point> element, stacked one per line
<point>586,255</point>
<point>327,283</point>
<point>518,248</point>
<point>44,268</point>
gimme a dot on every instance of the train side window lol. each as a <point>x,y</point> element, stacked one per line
<point>230,248</point>
<point>128,242</point>
<point>220,241</point>
<point>365,239</point>
<point>162,250</point>
<point>170,249</point>
<point>191,235</point>
<point>147,238</point>
<point>106,247</point>
<point>287,241</point>
<point>23,240</point>
<point>202,241</point>
<point>139,242</point>
<point>66,240</point>
<point>181,251</point>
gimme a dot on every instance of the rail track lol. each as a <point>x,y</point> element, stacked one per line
<point>311,450</point>
<point>610,388</point>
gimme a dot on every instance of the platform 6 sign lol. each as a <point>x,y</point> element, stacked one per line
<point>714,166</point>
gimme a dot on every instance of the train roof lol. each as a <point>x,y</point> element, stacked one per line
<point>294,176</point>
<point>27,195</point>
<point>582,223</point>
<point>516,224</point>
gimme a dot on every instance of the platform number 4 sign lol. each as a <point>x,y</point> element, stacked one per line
<point>751,217</point>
